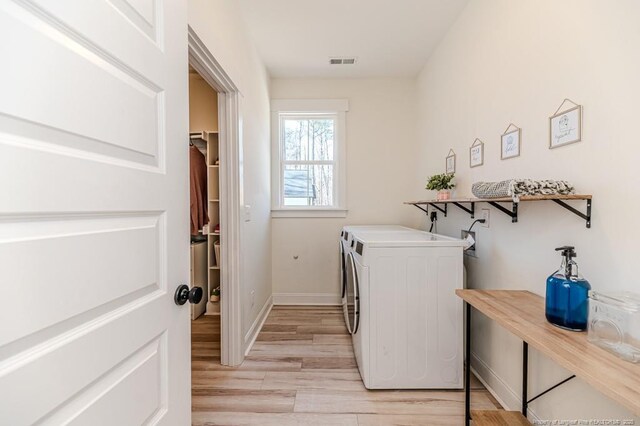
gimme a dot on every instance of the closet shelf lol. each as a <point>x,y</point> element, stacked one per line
<point>202,134</point>
<point>441,205</point>
<point>213,308</point>
<point>214,200</point>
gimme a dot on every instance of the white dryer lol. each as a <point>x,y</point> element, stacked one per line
<point>346,244</point>
<point>407,321</point>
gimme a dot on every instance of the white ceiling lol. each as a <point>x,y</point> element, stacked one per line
<point>295,38</point>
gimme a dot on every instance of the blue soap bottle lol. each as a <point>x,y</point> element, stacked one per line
<point>567,301</point>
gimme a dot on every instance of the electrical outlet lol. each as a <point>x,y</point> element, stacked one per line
<point>253,298</point>
<point>471,251</point>
<point>485,215</point>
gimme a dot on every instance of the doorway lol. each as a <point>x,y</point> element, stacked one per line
<point>205,205</point>
<point>221,143</point>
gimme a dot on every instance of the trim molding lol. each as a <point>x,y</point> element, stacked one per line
<point>307,299</point>
<point>252,334</point>
<point>501,391</point>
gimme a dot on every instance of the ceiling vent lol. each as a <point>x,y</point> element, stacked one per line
<point>342,61</point>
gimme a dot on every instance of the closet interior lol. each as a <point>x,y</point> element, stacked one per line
<point>204,180</point>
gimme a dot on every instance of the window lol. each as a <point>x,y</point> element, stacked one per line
<point>308,158</point>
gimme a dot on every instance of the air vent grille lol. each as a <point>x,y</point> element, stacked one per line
<point>342,61</point>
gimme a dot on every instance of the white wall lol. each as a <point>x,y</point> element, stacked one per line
<point>515,61</point>
<point>380,155</point>
<point>218,23</point>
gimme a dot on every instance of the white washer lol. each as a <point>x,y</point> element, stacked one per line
<point>346,244</point>
<point>406,320</point>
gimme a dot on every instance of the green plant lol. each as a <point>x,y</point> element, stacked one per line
<point>216,291</point>
<point>440,182</point>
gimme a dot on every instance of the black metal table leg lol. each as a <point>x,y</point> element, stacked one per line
<point>467,370</point>
<point>525,373</point>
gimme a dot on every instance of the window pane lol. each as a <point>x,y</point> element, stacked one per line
<point>308,185</point>
<point>308,139</point>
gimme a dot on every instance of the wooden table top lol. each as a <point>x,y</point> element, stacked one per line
<point>522,313</point>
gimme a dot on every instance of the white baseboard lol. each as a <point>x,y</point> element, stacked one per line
<point>506,397</point>
<point>307,299</point>
<point>252,334</point>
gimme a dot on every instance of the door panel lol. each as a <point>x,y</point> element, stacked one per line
<point>94,215</point>
<point>46,375</point>
<point>139,23</point>
<point>93,246</point>
<point>75,88</point>
<point>133,388</point>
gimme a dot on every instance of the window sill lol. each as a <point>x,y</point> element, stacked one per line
<point>308,213</point>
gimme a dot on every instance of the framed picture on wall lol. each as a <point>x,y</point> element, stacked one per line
<point>450,163</point>
<point>565,127</point>
<point>511,142</point>
<point>476,153</point>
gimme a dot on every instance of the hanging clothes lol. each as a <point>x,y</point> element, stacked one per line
<point>198,189</point>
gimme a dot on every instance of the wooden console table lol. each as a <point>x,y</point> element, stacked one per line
<point>522,313</point>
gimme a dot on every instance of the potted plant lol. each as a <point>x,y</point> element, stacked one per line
<point>443,184</point>
<point>215,294</point>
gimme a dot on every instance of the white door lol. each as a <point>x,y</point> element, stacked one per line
<point>94,232</point>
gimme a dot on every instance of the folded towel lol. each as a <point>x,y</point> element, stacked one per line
<point>516,188</point>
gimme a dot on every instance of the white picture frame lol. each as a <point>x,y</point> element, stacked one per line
<point>565,127</point>
<point>476,153</point>
<point>511,142</point>
<point>450,163</point>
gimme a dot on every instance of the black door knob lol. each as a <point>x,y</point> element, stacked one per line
<point>195,295</point>
<point>183,294</point>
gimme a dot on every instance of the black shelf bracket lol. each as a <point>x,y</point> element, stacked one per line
<point>443,210</point>
<point>471,210</point>
<point>586,217</point>
<point>513,213</point>
<point>421,208</point>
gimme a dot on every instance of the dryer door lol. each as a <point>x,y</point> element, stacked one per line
<point>353,300</point>
<point>343,272</point>
<point>343,283</point>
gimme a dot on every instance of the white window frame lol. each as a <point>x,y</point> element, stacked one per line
<point>299,108</point>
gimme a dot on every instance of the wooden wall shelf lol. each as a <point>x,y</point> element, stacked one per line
<point>441,205</point>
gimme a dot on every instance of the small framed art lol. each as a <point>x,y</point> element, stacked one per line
<point>511,142</point>
<point>565,127</point>
<point>476,153</point>
<point>450,163</point>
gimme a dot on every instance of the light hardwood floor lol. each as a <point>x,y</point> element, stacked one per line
<point>302,371</point>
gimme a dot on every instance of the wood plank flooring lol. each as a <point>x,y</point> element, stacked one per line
<point>302,371</point>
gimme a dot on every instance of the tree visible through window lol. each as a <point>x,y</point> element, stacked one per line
<point>308,160</point>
